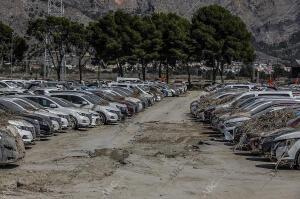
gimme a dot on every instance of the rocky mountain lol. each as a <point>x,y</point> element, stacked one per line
<point>270,21</point>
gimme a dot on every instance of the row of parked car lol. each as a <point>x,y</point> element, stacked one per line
<point>48,108</point>
<point>264,121</point>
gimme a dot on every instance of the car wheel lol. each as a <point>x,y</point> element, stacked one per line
<point>297,161</point>
<point>73,122</point>
<point>102,119</point>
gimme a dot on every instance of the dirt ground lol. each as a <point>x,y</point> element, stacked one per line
<point>160,153</point>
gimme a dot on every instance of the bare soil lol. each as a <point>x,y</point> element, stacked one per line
<point>160,153</point>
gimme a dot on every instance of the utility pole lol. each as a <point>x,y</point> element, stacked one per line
<point>55,8</point>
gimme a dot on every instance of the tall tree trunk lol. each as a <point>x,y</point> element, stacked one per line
<point>159,70</point>
<point>221,69</point>
<point>215,71</point>
<point>121,72</point>
<point>144,72</point>
<point>80,69</point>
<point>167,73</point>
<point>58,73</point>
<point>189,75</point>
<point>98,73</point>
<point>214,75</point>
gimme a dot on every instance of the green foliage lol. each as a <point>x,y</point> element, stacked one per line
<point>168,40</point>
<point>221,37</point>
<point>58,32</point>
<point>279,72</point>
<point>80,44</point>
<point>9,39</point>
<point>19,48</point>
<point>114,38</point>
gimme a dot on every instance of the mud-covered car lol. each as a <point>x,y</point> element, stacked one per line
<point>12,148</point>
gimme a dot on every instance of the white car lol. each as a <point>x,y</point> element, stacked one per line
<point>36,108</point>
<point>107,114</point>
<point>287,148</point>
<point>79,118</point>
<point>25,130</point>
<point>24,107</point>
<point>228,127</point>
<point>131,99</point>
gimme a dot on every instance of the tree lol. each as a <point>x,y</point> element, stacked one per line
<point>104,39</point>
<point>20,46</point>
<point>115,39</point>
<point>147,50</point>
<point>5,38</point>
<point>57,32</point>
<point>246,71</point>
<point>80,40</point>
<point>221,38</point>
<point>174,30</point>
<point>8,40</point>
<point>279,71</point>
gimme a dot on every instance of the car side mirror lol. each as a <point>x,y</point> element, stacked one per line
<point>53,106</point>
<point>84,103</point>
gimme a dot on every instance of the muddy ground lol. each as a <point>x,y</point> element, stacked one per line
<point>160,153</point>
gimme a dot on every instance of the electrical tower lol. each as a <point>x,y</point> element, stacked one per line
<point>55,8</point>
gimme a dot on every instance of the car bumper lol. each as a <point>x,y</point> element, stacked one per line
<point>112,118</point>
<point>55,125</point>
<point>83,122</point>
<point>95,121</point>
<point>64,123</point>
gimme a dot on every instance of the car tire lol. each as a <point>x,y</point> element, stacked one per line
<point>102,119</point>
<point>74,123</point>
<point>297,161</point>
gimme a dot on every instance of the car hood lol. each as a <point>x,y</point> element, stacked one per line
<point>117,104</point>
<point>81,110</point>
<point>133,99</point>
<point>238,119</point>
<point>20,123</point>
<point>56,112</point>
<point>294,135</point>
<point>44,113</point>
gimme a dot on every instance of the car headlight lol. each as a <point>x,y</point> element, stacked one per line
<point>55,119</point>
<point>63,116</point>
<point>25,137</point>
<point>112,111</point>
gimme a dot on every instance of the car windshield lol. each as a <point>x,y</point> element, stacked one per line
<point>246,102</point>
<point>25,105</point>
<point>121,93</point>
<point>62,102</point>
<point>253,105</point>
<point>91,100</point>
<point>10,106</point>
<point>11,83</point>
<point>95,97</point>
<point>109,96</point>
<point>36,105</point>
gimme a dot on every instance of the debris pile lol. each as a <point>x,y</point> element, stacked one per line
<point>268,122</point>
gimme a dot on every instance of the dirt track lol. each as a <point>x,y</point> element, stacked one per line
<point>161,153</point>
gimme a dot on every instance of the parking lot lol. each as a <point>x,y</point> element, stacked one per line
<point>160,153</point>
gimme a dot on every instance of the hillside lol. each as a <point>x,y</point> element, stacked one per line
<point>270,21</point>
